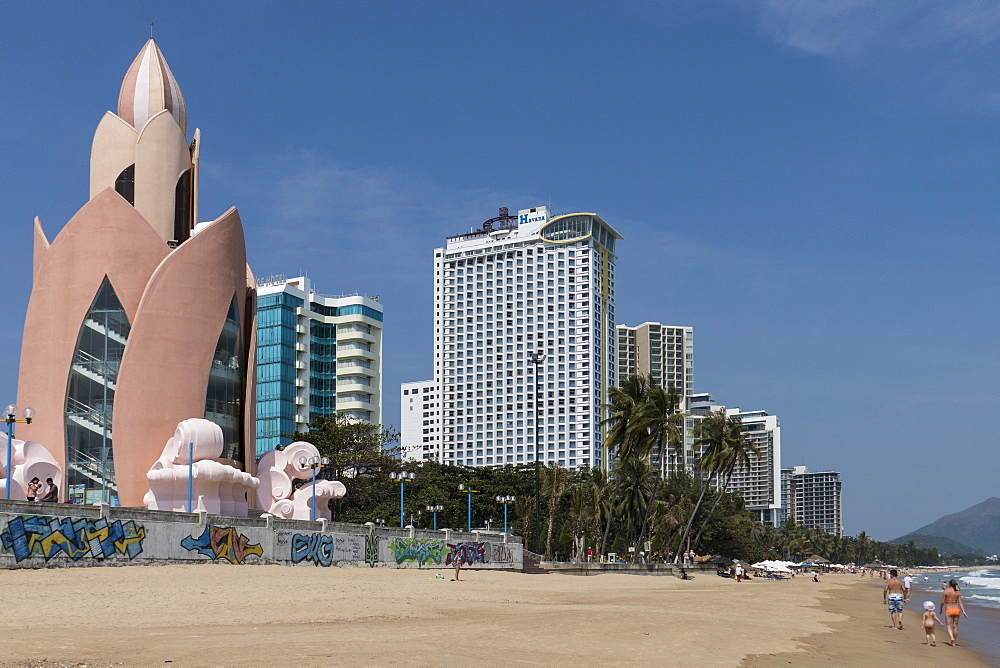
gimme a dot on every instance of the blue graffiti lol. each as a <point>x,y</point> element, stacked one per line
<point>39,535</point>
<point>315,547</point>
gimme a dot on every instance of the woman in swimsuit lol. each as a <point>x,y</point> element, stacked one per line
<point>951,604</point>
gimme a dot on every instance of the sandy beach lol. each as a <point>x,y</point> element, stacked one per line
<point>212,615</point>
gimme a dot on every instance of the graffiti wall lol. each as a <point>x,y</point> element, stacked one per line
<point>322,549</point>
<point>428,553</point>
<point>416,550</point>
<point>225,543</point>
<point>72,538</point>
<point>82,536</point>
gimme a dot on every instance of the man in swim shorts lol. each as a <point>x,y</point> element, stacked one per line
<point>894,595</point>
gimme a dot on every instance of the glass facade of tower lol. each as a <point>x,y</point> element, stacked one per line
<point>90,397</point>
<point>276,338</point>
<point>224,396</point>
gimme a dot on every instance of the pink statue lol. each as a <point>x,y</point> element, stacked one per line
<point>217,487</point>
<point>31,460</point>
<point>276,470</point>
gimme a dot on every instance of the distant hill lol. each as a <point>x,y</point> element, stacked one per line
<point>977,527</point>
<point>939,543</point>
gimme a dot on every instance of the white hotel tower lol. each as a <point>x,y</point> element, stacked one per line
<point>519,286</point>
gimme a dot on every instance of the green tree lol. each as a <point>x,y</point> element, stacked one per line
<point>724,457</point>
<point>361,456</point>
<point>554,481</point>
<point>626,437</point>
<point>662,420</point>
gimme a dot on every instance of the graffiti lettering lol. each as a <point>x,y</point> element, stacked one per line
<point>317,548</point>
<point>223,543</point>
<point>501,554</point>
<point>41,536</point>
<point>471,553</point>
<point>371,550</point>
<point>421,550</point>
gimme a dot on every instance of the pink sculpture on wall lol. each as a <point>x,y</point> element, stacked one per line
<point>276,470</point>
<point>31,460</point>
<point>218,488</point>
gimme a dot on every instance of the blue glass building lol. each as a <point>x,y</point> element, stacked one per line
<point>316,355</point>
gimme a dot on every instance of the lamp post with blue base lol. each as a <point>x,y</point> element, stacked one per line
<point>11,420</point>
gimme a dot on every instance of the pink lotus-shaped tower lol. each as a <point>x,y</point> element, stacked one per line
<point>139,317</point>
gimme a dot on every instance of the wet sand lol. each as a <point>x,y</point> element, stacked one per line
<point>866,637</point>
<point>210,615</point>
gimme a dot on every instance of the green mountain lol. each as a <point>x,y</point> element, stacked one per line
<point>977,527</point>
<point>941,544</point>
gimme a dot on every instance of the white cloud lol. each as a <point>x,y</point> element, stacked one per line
<point>940,51</point>
<point>861,31</point>
<point>373,225</point>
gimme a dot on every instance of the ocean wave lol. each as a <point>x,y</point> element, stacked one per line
<point>980,573</point>
<point>978,597</point>
<point>990,583</point>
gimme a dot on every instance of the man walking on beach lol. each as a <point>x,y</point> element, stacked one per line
<point>907,583</point>
<point>894,595</point>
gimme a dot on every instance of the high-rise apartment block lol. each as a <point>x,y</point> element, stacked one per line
<point>666,355</point>
<point>524,313</point>
<point>813,499</point>
<point>760,483</point>
<point>420,420</point>
<point>316,355</point>
<point>662,352</point>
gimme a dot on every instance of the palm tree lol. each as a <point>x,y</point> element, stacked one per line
<point>660,418</point>
<point>581,511</point>
<point>625,436</point>
<point>597,491</point>
<point>554,479</point>
<point>733,453</point>
<point>716,433</point>
<point>636,498</point>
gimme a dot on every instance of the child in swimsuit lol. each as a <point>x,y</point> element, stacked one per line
<point>930,617</point>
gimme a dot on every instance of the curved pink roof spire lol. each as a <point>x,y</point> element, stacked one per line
<point>148,88</point>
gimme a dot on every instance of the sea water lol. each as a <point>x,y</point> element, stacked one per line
<point>981,587</point>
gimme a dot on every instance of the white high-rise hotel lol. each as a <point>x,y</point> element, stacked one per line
<point>520,286</point>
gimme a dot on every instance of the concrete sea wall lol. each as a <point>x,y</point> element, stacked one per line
<point>48,535</point>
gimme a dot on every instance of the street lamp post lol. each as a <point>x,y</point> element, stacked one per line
<point>537,358</point>
<point>468,491</point>
<point>29,415</point>
<point>506,501</point>
<point>434,510</point>
<point>402,477</point>
<point>313,463</point>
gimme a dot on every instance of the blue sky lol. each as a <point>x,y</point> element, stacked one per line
<point>811,185</point>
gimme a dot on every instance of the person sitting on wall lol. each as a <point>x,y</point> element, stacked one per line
<point>52,494</point>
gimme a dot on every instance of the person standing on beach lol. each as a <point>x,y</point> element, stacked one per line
<point>907,583</point>
<point>739,573</point>
<point>894,595</point>
<point>930,617</point>
<point>458,566</point>
<point>952,606</point>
